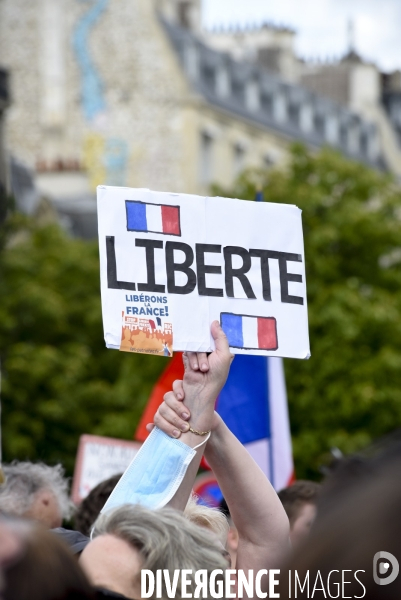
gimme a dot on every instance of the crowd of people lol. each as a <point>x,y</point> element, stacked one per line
<point>321,538</point>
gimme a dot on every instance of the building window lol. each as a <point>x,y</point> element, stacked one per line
<point>238,91</point>
<point>184,14</point>
<point>306,118</point>
<point>209,77</point>
<point>267,104</point>
<point>206,158</point>
<point>293,114</point>
<point>268,161</point>
<point>319,124</point>
<point>279,107</point>
<point>331,129</point>
<point>239,159</point>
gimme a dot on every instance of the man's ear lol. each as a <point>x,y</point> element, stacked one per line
<point>45,509</point>
<point>232,539</point>
<point>45,497</point>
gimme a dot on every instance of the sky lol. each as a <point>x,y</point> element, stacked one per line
<point>322,25</point>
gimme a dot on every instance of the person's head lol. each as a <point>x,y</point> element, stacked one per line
<point>299,501</point>
<point>131,538</point>
<point>209,518</point>
<point>90,507</point>
<point>36,565</point>
<point>36,491</point>
<point>363,521</point>
<point>346,473</point>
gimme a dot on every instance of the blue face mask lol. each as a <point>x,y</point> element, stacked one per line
<point>155,473</point>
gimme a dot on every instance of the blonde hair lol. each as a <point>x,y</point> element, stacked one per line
<point>208,518</point>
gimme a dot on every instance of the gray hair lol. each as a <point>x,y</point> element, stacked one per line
<point>165,539</point>
<point>25,479</point>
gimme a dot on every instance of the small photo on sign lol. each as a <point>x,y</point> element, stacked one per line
<point>147,336</point>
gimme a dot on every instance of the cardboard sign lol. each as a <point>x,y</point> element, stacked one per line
<point>99,458</point>
<point>172,263</point>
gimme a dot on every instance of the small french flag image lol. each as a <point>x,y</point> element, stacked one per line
<point>153,218</point>
<point>249,332</point>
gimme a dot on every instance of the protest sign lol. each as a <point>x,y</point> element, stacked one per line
<point>99,458</point>
<point>172,263</point>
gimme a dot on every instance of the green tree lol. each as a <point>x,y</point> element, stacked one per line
<point>59,380</point>
<point>349,392</point>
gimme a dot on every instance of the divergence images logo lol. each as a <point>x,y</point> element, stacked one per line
<point>382,561</point>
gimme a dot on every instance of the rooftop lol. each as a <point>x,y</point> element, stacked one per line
<point>255,94</point>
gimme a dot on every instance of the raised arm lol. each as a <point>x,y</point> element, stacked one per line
<point>262,524</point>
<point>203,380</point>
<point>255,508</point>
<point>164,470</point>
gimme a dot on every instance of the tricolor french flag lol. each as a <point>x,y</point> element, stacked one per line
<point>153,218</point>
<point>249,332</point>
<point>253,404</point>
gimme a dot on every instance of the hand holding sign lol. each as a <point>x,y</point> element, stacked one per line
<point>199,388</point>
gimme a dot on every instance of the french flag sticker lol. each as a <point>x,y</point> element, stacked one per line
<point>248,332</point>
<point>153,218</point>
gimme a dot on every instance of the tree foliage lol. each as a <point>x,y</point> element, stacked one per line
<point>349,392</point>
<point>59,380</point>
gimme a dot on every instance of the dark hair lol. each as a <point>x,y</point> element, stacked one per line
<point>347,474</point>
<point>45,570</point>
<point>364,520</point>
<point>223,506</point>
<point>295,496</point>
<point>90,507</point>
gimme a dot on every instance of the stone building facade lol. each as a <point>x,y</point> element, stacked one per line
<point>133,93</point>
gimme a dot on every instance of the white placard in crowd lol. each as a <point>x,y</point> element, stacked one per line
<point>99,458</point>
<point>172,263</point>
